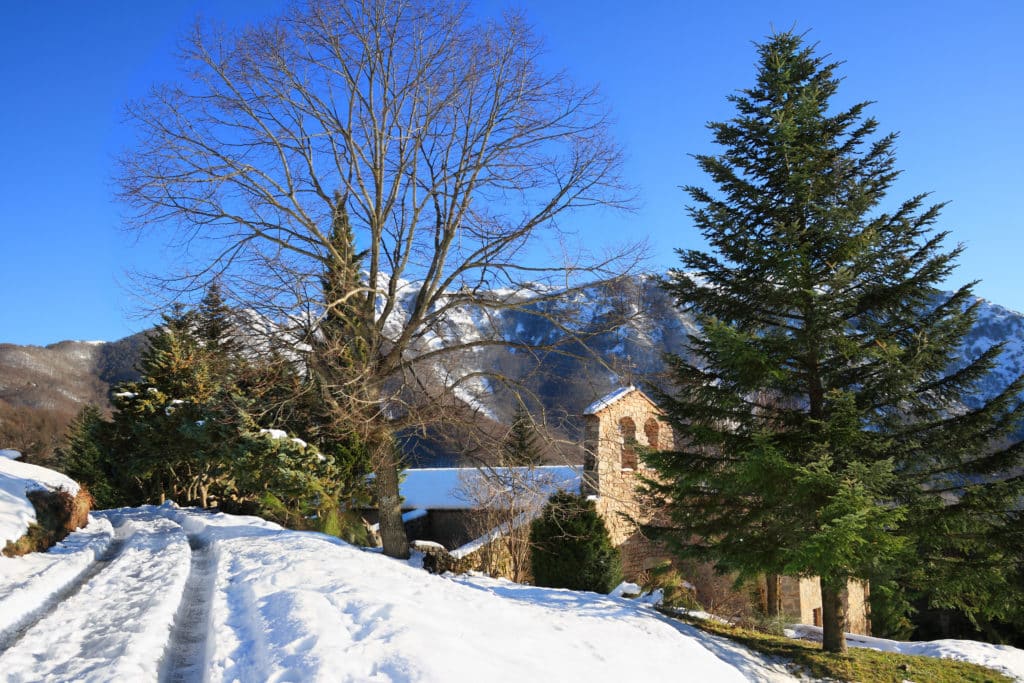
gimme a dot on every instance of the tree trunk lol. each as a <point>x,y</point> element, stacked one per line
<point>773,595</point>
<point>392,530</point>
<point>833,618</point>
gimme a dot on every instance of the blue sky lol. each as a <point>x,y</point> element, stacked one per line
<point>948,76</point>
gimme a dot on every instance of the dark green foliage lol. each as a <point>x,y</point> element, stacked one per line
<point>821,430</point>
<point>519,448</point>
<point>298,486</point>
<point>344,337</point>
<point>190,429</point>
<point>84,458</point>
<point>214,325</point>
<point>174,428</point>
<point>571,547</point>
<point>890,610</point>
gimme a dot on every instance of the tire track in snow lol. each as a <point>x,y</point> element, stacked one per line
<point>186,655</point>
<point>10,637</point>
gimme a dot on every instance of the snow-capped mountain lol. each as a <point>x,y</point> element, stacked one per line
<point>997,324</point>
<point>627,327</point>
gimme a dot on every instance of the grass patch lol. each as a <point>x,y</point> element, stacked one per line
<point>859,664</point>
<point>58,513</point>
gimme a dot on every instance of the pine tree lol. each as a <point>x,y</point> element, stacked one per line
<point>197,425</point>
<point>171,428</point>
<point>84,456</point>
<point>519,448</point>
<point>820,424</point>
<point>214,329</point>
<point>343,328</point>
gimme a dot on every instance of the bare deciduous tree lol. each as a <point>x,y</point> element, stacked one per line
<point>449,151</point>
<point>505,500</point>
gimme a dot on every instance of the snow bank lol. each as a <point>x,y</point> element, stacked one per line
<point>1005,658</point>
<point>283,605</point>
<point>16,480</point>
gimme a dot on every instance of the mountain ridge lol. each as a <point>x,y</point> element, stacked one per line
<point>42,388</point>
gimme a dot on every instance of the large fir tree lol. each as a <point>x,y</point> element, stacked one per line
<point>822,428</point>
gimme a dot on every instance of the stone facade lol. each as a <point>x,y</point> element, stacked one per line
<point>617,429</point>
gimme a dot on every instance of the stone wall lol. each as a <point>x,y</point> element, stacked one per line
<point>858,609</point>
<point>801,598</point>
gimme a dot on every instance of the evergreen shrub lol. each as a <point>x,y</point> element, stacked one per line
<point>571,547</point>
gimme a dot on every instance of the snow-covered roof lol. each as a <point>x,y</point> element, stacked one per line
<point>459,488</point>
<point>602,403</point>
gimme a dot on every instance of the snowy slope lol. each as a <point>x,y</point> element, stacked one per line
<point>16,480</point>
<point>114,626</point>
<point>178,592</point>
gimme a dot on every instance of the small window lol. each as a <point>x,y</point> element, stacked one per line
<point>816,616</point>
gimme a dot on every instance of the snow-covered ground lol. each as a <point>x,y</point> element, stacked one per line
<point>171,594</point>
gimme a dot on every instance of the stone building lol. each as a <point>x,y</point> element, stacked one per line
<point>616,430</point>
<point>446,507</point>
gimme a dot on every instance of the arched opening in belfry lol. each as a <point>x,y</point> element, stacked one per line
<point>651,432</point>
